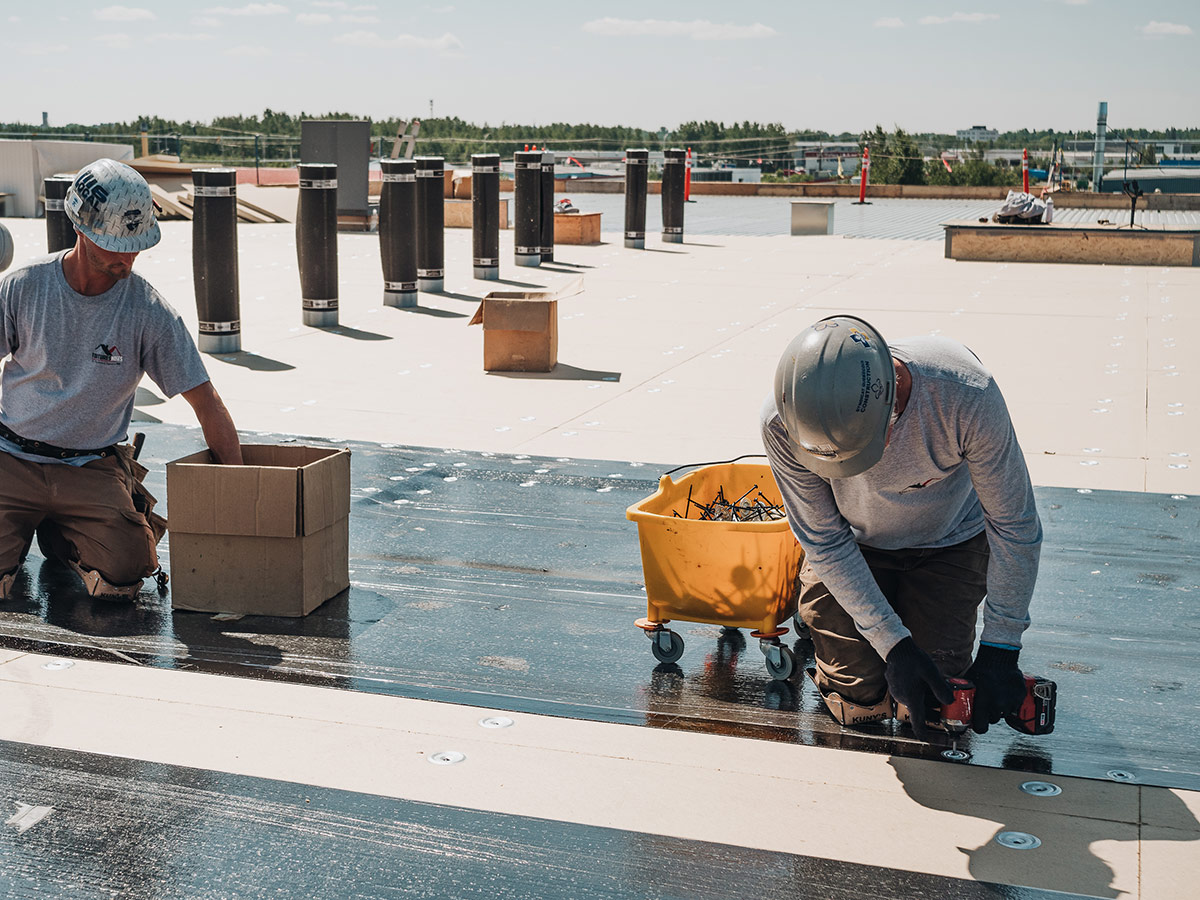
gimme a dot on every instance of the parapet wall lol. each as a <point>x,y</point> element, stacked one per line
<point>1062,199</point>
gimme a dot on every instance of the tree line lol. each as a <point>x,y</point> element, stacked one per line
<point>273,138</point>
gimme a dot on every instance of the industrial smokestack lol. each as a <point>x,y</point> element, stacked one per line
<point>1098,161</point>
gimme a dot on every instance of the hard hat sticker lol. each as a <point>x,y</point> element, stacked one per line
<point>864,394</point>
<point>90,190</point>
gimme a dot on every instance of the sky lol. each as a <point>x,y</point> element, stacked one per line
<point>832,66</point>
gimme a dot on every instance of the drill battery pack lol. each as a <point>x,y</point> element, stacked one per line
<point>1036,713</point>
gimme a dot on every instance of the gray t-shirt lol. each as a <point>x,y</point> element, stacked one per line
<point>76,361</point>
<point>952,469</point>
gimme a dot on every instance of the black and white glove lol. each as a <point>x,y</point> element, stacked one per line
<point>999,685</point>
<point>913,679</point>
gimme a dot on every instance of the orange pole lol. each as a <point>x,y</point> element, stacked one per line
<point>1025,170</point>
<point>864,175</point>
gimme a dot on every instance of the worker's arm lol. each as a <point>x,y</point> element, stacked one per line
<point>1014,531</point>
<point>216,423</point>
<point>829,542</point>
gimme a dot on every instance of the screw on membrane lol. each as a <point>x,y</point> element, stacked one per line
<point>1018,840</point>
<point>446,757</point>
<point>1120,775</point>
<point>1041,788</point>
<point>956,755</point>
<point>56,665</point>
<point>496,722</point>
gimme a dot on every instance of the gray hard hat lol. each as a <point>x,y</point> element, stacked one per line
<point>110,204</point>
<point>835,387</point>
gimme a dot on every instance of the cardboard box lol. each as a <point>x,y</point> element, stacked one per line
<point>520,328</point>
<point>268,538</point>
<point>577,228</point>
<point>461,213</point>
<point>520,331</point>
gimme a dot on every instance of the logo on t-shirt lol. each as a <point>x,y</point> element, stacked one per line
<point>106,355</point>
<point>919,485</point>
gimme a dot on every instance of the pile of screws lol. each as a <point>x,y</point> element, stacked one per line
<point>755,509</point>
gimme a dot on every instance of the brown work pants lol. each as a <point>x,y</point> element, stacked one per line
<point>90,510</point>
<point>936,593</point>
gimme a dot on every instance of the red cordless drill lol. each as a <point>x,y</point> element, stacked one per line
<point>1035,715</point>
<point>953,718</point>
<point>956,716</point>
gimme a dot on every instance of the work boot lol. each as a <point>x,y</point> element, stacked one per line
<point>6,583</point>
<point>847,713</point>
<point>96,585</point>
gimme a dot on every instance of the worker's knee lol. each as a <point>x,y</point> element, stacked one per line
<point>849,713</point>
<point>102,588</point>
<point>120,555</point>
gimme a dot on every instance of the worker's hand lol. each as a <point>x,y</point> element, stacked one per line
<point>912,678</point>
<point>999,685</point>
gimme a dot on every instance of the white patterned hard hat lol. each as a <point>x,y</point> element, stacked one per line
<point>835,388</point>
<point>110,205</point>
<point>6,248</point>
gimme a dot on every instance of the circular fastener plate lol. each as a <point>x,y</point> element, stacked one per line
<point>1041,788</point>
<point>1120,775</point>
<point>496,722</point>
<point>1018,840</point>
<point>956,755</point>
<point>56,665</point>
<point>446,757</point>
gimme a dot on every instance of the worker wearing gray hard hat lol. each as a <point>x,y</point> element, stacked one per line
<point>906,487</point>
<point>79,330</point>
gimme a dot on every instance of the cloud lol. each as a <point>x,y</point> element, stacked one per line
<point>445,43</point>
<point>359,20</point>
<point>697,30</point>
<point>971,18</point>
<point>314,19</point>
<point>889,22</point>
<point>177,36</point>
<point>250,9</point>
<point>248,50</point>
<point>329,4</point>
<point>116,41</point>
<point>1160,29</point>
<point>40,48</point>
<point>123,14</point>
<point>206,21</point>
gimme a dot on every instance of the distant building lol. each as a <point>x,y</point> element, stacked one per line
<point>727,174</point>
<point>1162,179</point>
<point>822,157</point>
<point>977,133</point>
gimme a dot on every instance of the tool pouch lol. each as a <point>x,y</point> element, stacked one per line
<point>143,501</point>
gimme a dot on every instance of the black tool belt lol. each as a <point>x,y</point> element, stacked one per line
<point>38,448</point>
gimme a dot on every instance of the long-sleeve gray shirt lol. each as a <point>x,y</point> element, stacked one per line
<point>953,468</point>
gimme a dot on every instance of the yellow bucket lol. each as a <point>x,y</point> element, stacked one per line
<point>737,574</point>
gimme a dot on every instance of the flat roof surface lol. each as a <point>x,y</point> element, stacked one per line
<point>227,742</point>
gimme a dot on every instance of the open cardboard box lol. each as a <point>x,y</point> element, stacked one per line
<point>520,328</point>
<point>269,538</point>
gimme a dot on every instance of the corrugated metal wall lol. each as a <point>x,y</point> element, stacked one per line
<point>25,164</point>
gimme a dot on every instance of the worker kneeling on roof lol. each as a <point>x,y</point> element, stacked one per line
<point>906,487</point>
<point>79,330</point>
